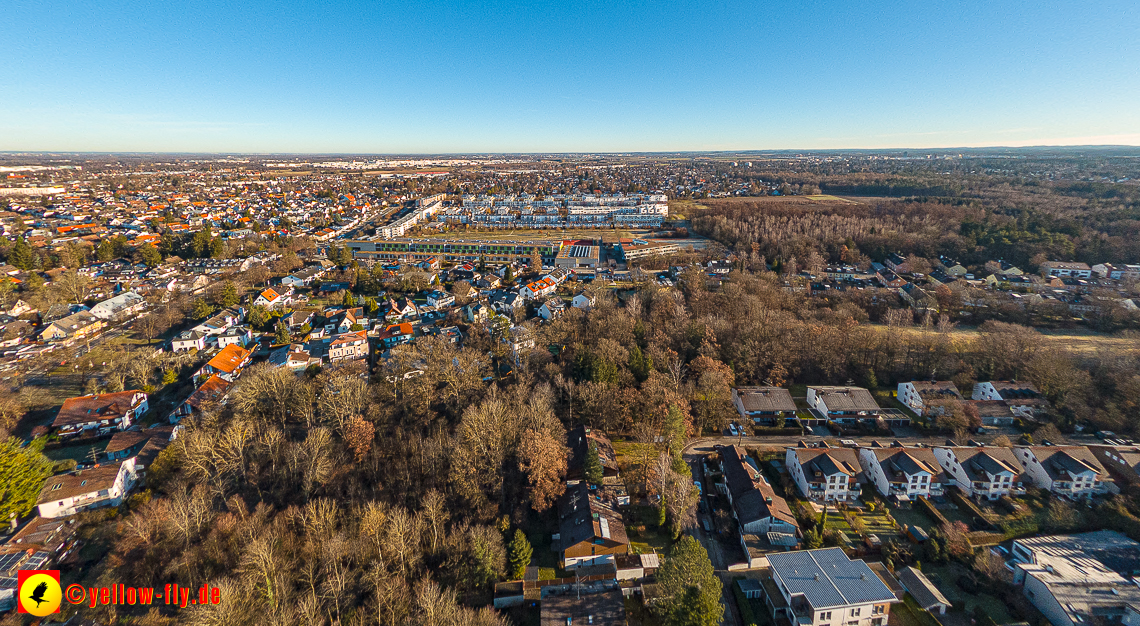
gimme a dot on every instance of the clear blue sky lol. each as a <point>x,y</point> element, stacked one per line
<point>609,75</point>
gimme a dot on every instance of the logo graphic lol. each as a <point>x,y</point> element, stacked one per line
<point>38,592</point>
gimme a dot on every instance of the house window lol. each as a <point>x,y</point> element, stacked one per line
<point>57,486</point>
<point>855,612</point>
<point>826,615</point>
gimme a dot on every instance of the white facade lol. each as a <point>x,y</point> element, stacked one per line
<point>102,493</point>
<point>986,477</point>
<point>1067,476</point>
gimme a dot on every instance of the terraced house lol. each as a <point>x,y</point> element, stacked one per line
<point>902,473</point>
<point>982,471</point>
<point>1070,471</point>
<point>824,474</point>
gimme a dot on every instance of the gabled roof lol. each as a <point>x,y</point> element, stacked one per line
<point>919,586</point>
<point>979,461</point>
<point>846,398</point>
<point>211,391</point>
<point>95,407</point>
<point>584,517</point>
<point>828,461</point>
<point>79,482</point>
<point>229,359</point>
<point>753,498</point>
<point>1059,461</point>
<point>907,460</point>
<point>270,295</point>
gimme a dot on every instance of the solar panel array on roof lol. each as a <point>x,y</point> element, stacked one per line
<point>10,562</point>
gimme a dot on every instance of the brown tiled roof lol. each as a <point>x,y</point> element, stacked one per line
<point>79,482</point>
<point>94,407</point>
<point>212,390</point>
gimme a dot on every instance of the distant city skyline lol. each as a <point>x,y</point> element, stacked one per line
<point>603,77</point>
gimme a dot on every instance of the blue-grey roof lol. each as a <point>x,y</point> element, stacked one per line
<point>827,578</point>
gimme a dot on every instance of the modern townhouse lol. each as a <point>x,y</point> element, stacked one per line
<point>902,473</point>
<point>843,405</point>
<point>982,471</point>
<point>824,474</point>
<point>1070,471</point>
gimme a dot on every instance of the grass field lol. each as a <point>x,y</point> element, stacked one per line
<point>1075,340</point>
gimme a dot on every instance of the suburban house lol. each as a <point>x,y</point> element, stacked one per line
<point>769,406</point>
<point>81,490</point>
<point>590,530</point>
<point>593,608</point>
<point>1070,471</point>
<point>982,471</point>
<point>235,336</point>
<point>440,299</point>
<point>221,321</point>
<point>1062,268</point>
<point>582,300</point>
<point>271,299</point>
<point>188,340</point>
<point>765,520</point>
<point>917,394</point>
<point>824,474</point>
<point>824,588</point>
<point>227,364</point>
<point>349,346</point>
<point>476,312</point>
<point>578,442</point>
<point>303,277</point>
<point>100,413</point>
<point>552,308</point>
<point>845,405</point>
<point>506,302</point>
<point>1022,397</point>
<point>399,309</point>
<point>210,393</point>
<point>396,334</point>
<point>1077,580</point>
<point>902,473</point>
<point>295,357</point>
<point>74,327</point>
<point>352,317</point>
<point>119,307</point>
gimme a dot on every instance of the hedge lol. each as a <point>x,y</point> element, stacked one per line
<point>934,513</point>
<point>923,616</point>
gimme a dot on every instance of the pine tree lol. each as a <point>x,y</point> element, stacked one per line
<point>519,552</point>
<point>593,468</point>
<point>202,309</point>
<point>282,333</point>
<point>21,255</point>
<point>688,589</point>
<point>150,255</point>
<point>229,295</point>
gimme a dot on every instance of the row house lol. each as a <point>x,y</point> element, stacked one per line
<point>1070,471</point>
<point>1022,398</point>
<point>824,474</point>
<point>1062,268</point>
<point>539,288</point>
<point>902,473</point>
<point>769,406</point>
<point>916,394</point>
<point>844,405</point>
<point>100,413</point>
<point>983,471</point>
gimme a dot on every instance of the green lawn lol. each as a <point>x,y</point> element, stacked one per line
<point>945,577</point>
